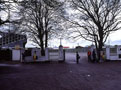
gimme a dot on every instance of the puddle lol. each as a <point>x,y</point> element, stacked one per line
<point>10,65</point>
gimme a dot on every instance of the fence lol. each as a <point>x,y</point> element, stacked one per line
<point>54,54</point>
<point>111,52</point>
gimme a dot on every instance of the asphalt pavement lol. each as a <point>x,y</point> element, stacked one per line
<point>61,76</point>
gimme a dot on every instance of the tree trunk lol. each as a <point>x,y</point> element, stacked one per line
<point>100,42</point>
<point>42,51</point>
<point>100,48</point>
<point>96,49</point>
<point>46,39</point>
<point>98,54</point>
<point>42,47</point>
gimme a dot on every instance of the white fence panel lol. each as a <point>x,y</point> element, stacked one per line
<point>53,55</point>
<point>16,55</point>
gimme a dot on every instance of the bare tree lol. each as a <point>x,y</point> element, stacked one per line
<point>3,7</point>
<point>9,15</point>
<point>95,20</point>
<point>38,20</point>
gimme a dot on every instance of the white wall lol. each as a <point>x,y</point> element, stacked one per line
<point>16,55</point>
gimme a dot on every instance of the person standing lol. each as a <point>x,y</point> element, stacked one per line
<point>89,55</point>
<point>77,57</point>
<point>94,55</point>
<point>23,57</point>
<point>34,56</point>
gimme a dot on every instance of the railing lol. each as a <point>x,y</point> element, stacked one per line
<point>53,54</point>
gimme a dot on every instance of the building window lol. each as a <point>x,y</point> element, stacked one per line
<point>113,51</point>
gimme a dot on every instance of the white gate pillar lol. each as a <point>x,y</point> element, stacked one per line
<point>61,56</point>
<point>47,53</point>
<point>108,52</point>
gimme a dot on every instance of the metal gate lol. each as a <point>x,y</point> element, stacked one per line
<point>71,55</point>
<point>53,54</point>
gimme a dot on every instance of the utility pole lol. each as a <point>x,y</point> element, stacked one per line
<point>109,40</point>
<point>60,41</point>
<point>9,15</point>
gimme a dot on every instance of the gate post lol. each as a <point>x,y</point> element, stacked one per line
<point>47,53</point>
<point>108,53</point>
<point>64,55</point>
<point>61,55</point>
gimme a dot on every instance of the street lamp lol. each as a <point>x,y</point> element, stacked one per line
<point>60,41</point>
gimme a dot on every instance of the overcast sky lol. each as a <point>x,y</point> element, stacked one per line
<point>114,39</point>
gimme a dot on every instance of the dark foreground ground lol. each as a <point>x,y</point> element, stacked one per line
<point>61,76</point>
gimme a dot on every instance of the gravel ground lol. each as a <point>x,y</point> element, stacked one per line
<point>61,76</point>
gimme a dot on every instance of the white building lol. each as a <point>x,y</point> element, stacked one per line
<point>111,52</point>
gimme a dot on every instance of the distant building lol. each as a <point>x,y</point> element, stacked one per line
<point>65,47</point>
<point>12,40</point>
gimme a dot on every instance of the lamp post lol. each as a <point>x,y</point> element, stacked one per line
<point>60,41</point>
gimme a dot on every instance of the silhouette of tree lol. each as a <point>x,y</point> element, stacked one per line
<point>39,17</point>
<point>96,19</point>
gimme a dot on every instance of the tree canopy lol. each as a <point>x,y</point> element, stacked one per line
<point>94,20</point>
